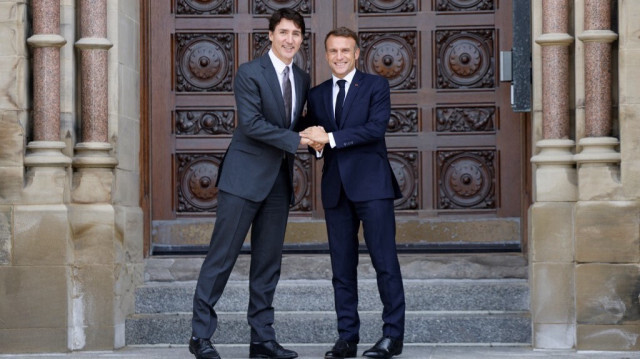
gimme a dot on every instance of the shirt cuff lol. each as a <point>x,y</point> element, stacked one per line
<point>332,142</point>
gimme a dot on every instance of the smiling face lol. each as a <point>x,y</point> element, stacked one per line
<point>341,53</point>
<point>285,38</point>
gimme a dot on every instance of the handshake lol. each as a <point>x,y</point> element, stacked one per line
<point>315,137</point>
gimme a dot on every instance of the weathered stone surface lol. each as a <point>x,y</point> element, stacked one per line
<point>607,293</point>
<point>552,294</point>
<point>607,232</point>
<point>554,336</point>
<point>41,235</point>
<point>6,221</point>
<point>556,184</point>
<point>13,83</point>
<point>93,233</point>
<point>33,297</point>
<point>318,266</point>
<point>50,340</point>
<point>11,182</point>
<point>129,222</point>
<point>552,232</point>
<point>92,185</point>
<point>11,139</point>
<point>608,337</point>
<point>600,183</point>
<point>465,231</point>
<point>630,147</point>
<point>92,306</point>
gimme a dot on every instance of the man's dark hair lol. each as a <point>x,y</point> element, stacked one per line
<point>342,32</point>
<point>286,13</point>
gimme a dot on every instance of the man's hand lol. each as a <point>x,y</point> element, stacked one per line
<point>316,134</point>
<point>315,145</point>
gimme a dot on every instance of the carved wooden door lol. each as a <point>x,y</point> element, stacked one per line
<point>454,143</point>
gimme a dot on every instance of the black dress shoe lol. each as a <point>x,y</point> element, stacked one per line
<point>385,348</point>
<point>342,349</point>
<point>202,349</point>
<point>270,349</point>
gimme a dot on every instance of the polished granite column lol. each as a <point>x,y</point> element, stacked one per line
<point>598,145</point>
<point>46,173</point>
<point>555,174</point>
<point>93,159</point>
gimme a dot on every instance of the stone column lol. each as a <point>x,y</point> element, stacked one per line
<point>93,161</point>
<point>598,170</point>
<point>606,222</point>
<point>555,175</point>
<point>46,173</point>
<point>551,226</point>
<point>91,214</point>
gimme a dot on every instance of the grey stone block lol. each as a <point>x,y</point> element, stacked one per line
<point>320,327</point>
<point>317,295</point>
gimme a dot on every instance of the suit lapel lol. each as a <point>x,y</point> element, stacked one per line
<point>351,95</point>
<point>272,79</point>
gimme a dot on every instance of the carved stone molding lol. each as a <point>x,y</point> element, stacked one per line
<point>465,5</point>
<point>204,62</point>
<point>405,168</point>
<point>392,55</point>
<point>403,120</point>
<point>465,59</point>
<point>205,122</point>
<point>269,6</point>
<point>196,177</point>
<point>204,7</point>
<point>261,46</point>
<point>465,119</point>
<point>466,179</point>
<point>386,6</point>
<point>302,183</point>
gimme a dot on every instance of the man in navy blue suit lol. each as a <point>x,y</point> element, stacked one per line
<point>348,115</point>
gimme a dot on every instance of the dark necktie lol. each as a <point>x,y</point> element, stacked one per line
<point>286,95</point>
<point>340,101</point>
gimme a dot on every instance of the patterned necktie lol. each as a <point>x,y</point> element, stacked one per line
<point>286,95</point>
<point>339,101</point>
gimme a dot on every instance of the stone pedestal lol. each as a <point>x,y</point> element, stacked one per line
<point>556,179</point>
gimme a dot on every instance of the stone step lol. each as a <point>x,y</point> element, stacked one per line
<point>317,295</point>
<point>320,327</point>
<point>318,266</point>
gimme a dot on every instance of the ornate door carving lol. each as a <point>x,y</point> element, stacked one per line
<point>454,144</point>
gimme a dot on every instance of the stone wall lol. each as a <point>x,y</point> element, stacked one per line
<point>585,222</point>
<point>70,236</point>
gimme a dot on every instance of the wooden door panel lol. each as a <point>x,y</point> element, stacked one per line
<point>454,144</point>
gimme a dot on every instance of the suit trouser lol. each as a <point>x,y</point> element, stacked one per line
<point>378,222</point>
<point>268,221</point>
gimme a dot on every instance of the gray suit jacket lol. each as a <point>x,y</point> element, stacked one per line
<point>260,141</point>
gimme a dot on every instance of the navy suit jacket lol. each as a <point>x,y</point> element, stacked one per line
<point>260,141</point>
<point>359,161</point>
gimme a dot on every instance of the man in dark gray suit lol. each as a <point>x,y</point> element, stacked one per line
<point>255,184</point>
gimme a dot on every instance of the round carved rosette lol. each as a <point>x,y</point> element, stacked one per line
<point>269,6</point>
<point>197,185</point>
<point>389,57</point>
<point>467,182</point>
<point>465,61</point>
<point>204,64</point>
<point>204,6</point>
<point>403,167</point>
<point>386,6</point>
